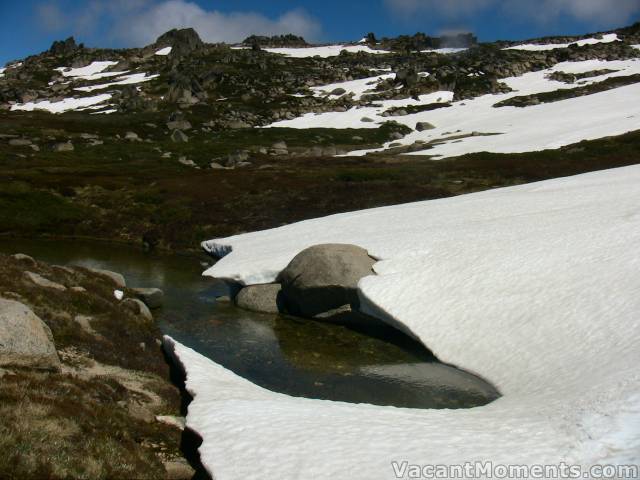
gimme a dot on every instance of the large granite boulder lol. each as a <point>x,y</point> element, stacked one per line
<point>25,340</point>
<point>260,298</point>
<point>323,278</point>
<point>183,41</point>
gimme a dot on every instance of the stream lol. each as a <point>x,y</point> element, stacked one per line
<point>294,356</point>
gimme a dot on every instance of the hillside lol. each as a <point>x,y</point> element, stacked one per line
<point>182,140</point>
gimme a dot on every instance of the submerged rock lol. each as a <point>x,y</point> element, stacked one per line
<point>25,340</point>
<point>152,297</point>
<point>260,298</point>
<point>323,278</point>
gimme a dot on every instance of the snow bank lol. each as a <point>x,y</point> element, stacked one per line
<point>532,47</point>
<point>544,126</point>
<point>124,80</point>
<point>66,105</point>
<point>357,87</point>
<point>534,287</point>
<point>163,52</point>
<point>352,118</point>
<point>2,70</point>
<point>324,52</point>
<point>88,71</point>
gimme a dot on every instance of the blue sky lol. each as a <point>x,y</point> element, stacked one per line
<point>29,26</point>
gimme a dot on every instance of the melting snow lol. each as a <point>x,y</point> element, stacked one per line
<point>550,125</point>
<point>357,87</point>
<point>85,72</point>
<point>611,37</point>
<point>125,80</point>
<point>326,51</point>
<point>62,106</point>
<point>164,51</point>
<point>534,287</point>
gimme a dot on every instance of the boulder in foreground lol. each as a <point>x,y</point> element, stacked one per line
<point>25,340</point>
<point>260,298</point>
<point>323,278</point>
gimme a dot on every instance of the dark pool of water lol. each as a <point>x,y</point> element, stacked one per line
<point>289,355</point>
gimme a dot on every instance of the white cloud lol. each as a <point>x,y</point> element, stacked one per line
<point>213,26</point>
<point>607,13</point>
<point>140,22</point>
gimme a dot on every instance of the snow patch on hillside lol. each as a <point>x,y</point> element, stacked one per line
<point>353,118</point>
<point>544,126</point>
<point>124,80</point>
<point>66,105</point>
<point>534,287</point>
<point>324,52</point>
<point>86,72</point>
<point>532,47</point>
<point>356,87</point>
<point>163,52</point>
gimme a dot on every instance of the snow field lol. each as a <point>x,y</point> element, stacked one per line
<point>534,287</point>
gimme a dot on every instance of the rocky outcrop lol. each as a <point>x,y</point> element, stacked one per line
<point>183,41</point>
<point>25,340</point>
<point>323,278</point>
<point>260,298</point>
<point>64,47</point>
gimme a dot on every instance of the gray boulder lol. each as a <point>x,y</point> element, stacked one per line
<point>422,126</point>
<point>63,147</point>
<point>44,282</point>
<point>152,297</point>
<point>117,278</point>
<point>25,340</point>
<point>178,136</point>
<point>323,278</point>
<point>138,308</point>
<point>260,298</point>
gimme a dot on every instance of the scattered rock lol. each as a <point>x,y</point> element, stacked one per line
<point>260,298</point>
<point>323,278</point>
<point>152,297</point>
<point>178,136</point>
<point>64,147</point>
<point>179,125</point>
<point>21,257</point>
<point>132,137</point>
<point>117,278</point>
<point>138,308</point>
<point>338,92</point>
<point>179,469</point>
<point>25,340</point>
<point>178,422</point>
<point>44,282</point>
<point>186,162</point>
<point>20,142</point>
<point>422,126</point>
